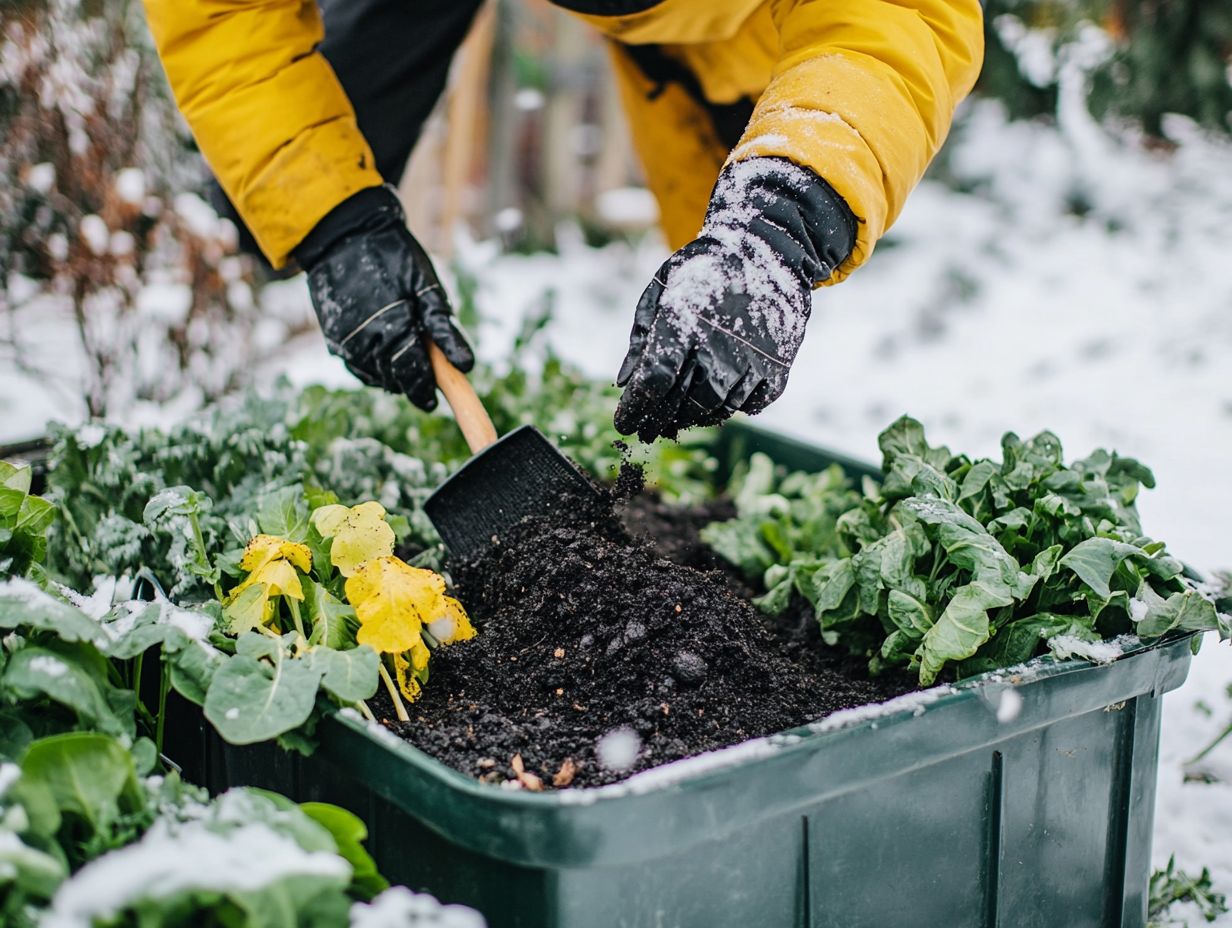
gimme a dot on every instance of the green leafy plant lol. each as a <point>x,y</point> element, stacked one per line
<point>1172,885</point>
<point>970,564</point>
<point>93,830</point>
<point>24,520</point>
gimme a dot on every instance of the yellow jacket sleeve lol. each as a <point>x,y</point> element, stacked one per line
<point>863,94</point>
<point>266,109</point>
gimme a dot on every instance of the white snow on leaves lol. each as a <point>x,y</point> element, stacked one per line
<point>398,907</point>
<point>174,858</point>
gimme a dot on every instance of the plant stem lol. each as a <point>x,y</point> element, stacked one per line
<point>365,711</point>
<point>164,684</point>
<point>299,624</point>
<point>1210,747</point>
<point>135,682</point>
<point>199,540</point>
<point>393,693</point>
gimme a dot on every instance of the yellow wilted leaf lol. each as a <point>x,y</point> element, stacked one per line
<point>271,563</point>
<point>393,602</point>
<point>280,578</point>
<point>328,519</point>
<point>248,608</point>
<point>265,548</point>
<point>453,624</point>
<point>360,534</point>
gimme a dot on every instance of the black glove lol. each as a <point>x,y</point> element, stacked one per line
<point>377,296</point>
<point>720,324</point>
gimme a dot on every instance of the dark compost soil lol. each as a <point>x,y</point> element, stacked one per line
<point>604,623</point>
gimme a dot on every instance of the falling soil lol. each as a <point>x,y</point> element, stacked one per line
<point>600,654</point>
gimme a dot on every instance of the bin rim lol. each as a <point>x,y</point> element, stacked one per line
<point>720,763</point>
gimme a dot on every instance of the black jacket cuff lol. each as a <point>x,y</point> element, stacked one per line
<point>368,210</point>
<point>791,208</point>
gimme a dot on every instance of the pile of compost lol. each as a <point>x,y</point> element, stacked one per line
<point>598,657</point>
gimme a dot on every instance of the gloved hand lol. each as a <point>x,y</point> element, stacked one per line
<point>377,296</point>
<point>719,326</point>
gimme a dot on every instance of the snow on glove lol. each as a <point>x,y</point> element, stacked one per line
<point>719,326</point>
<point>376,296</point>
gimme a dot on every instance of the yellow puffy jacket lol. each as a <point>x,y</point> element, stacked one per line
<point>860,91</point>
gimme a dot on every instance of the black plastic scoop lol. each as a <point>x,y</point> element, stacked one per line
<point>519,475</point>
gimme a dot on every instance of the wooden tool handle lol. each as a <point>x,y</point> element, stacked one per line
<point>467,408</point>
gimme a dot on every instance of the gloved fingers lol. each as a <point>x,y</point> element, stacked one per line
<point>440,326</point>
<point>742,390</point>
<point>664,418</point>
<point>707,400</point>
<point>764,394</point>
<point>643,319</point>
<point>656,372</point>
<point>408,371</point>
<point>721,365</point>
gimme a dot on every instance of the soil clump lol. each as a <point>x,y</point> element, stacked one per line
<point>600,654</point>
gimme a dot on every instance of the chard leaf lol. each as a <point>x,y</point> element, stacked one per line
<point>1096,560</point>
<point>250,700</point>
<point>349,834</point>
<point>909,615</point>
<point>65,678</point>
<point>347,675</point>
<point>1185,611</point>
<point>962,628</point>
<point>88,775</point>
<point>333,622</point>
<point>284,514</point>
<point>24,605</point>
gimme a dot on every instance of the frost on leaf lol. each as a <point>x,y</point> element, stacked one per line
<point>360,534</point>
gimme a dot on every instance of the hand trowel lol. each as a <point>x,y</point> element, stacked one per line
<point>507,478</point>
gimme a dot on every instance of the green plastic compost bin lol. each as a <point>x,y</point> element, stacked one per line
<point>1021,799</point>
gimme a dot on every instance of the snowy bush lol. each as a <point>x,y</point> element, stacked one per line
<point>92,155</point>
<point>1152,58</point>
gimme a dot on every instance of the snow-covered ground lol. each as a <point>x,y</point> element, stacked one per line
<point>1081,285</point>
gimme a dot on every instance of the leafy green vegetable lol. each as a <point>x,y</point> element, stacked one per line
<point>251,700</point>
<point>24,520</point>
<point>1172,885</point>
<point>93,830</point>
<point>966,564</point>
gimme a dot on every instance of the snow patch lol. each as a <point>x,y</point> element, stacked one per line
<point>41,177</point>
<point>95,233</point>
<point>398,907</point>
<point>914,703</point>
<point>173,858</point>
<point>617,750</point>
<point>627,207</point>
<point>48,665</point>
<point>130,186</point>
<point>9,774</point>
<point>1098,652</point>
<point>1009,707</point>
